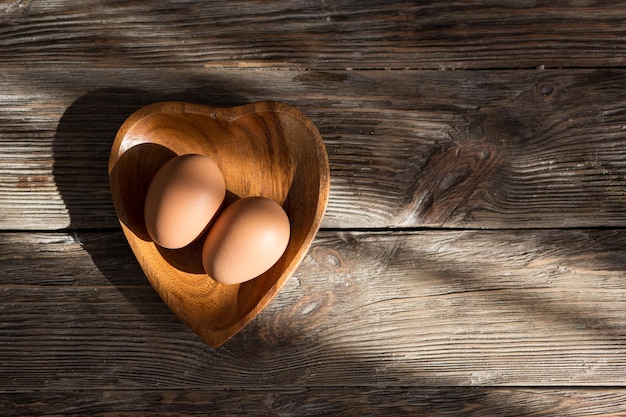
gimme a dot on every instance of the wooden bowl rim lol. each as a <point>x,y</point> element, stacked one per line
<point>216,337</point>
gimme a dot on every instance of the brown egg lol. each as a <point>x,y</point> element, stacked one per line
<point>182,198</point>
<point>246,240</point>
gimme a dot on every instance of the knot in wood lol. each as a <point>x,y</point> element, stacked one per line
<point>295,324</point>
<point>448,181</point>
<point>544,90</point>
<point>327,258</point>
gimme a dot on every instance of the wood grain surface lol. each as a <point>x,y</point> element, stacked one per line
<point>314,34</point>
<point>414,148</point>
<point>424,308</point>
<point>471,261</point>
<point>348,402</point>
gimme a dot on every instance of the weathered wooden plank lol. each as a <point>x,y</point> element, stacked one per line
<point>407,148</point>
<point>431,308</point>
<point>373,323</point>
<point>357,402</point>
<point>313,34</point>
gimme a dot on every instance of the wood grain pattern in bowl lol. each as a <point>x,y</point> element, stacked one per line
<point>267,149</point>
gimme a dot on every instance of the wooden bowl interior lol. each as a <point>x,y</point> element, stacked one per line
<point>263,149</point>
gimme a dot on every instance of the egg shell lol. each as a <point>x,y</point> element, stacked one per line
<point>182,198</point>
<point>246,240</point>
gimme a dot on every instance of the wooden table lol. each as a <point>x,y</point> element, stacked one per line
<point>472,260</point>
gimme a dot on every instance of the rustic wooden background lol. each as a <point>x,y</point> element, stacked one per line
<point>472,260</point>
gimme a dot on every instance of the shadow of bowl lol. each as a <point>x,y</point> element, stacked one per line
<point>81,148</point>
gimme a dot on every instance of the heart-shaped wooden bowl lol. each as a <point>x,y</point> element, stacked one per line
<point>264,149</point>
